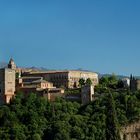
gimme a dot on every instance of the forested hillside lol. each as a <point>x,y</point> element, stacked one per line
<point>34,118</point>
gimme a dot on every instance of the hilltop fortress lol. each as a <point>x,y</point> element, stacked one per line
<point>49,84</point>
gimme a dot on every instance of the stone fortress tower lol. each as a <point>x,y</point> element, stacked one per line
<point>7,82</point>
<point>134,83</point>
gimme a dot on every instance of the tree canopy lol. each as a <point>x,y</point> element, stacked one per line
<point>33,117</point>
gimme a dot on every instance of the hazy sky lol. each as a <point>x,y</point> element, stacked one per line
<point>98,35</point>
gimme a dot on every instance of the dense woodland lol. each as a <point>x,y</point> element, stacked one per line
<point>34,118</point>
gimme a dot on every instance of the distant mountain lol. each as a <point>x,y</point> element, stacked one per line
<point>80,69</point>
<point>37,68</point>
<point>45,69</point>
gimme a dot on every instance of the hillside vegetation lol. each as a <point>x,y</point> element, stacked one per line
<point>34,118</point>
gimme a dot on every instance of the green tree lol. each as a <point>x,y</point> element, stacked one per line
<point>36,137</point>
<point>109,81</point>
<point>112,125</point>
<point>88,81</point>
<point>81,82</point>
<point>120,84</point>
<point>104,81</point>
<point>77,133</point>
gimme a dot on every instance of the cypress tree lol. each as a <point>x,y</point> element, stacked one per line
<point>112,127</point>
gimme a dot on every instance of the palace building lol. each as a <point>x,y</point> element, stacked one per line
<point>67,79</point>
<point>49,84</point>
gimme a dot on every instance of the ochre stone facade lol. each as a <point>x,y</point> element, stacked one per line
<point>87,93</point>
<point>67,79</point>
<point>37,85</point>
<point>131,131</point>
<point>7,85</point>
<point>35,82</point>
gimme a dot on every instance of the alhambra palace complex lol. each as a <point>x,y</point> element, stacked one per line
<point>49,84</point>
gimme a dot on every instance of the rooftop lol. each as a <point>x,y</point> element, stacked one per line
<point>62,71</point>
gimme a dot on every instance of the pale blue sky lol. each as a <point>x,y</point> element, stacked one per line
<point>97,35</point>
